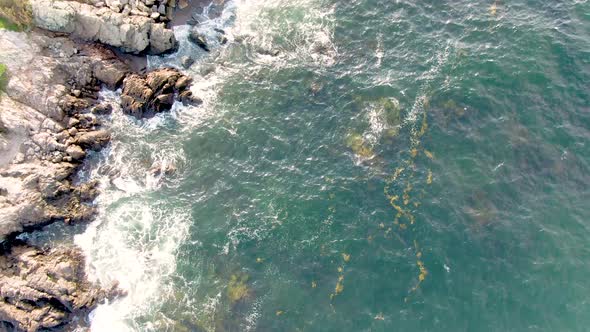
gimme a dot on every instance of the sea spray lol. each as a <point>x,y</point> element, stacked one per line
<point>135,236</point>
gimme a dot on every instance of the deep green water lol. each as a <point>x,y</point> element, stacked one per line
<point>279,215</point>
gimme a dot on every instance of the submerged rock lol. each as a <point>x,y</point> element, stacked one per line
<point>199,39</point>
<point>187,62</point>
<point>188,99</point>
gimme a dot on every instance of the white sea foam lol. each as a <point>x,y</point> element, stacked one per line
<point>135,237</point>
<point>307,27</point>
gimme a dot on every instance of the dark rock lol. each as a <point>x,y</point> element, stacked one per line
<point>265,51</point>
<point>187,62</point>
<point>192,22</point>
<point>199,39</point>
<point>207,69</point>
<point>143,96</point>
<point>87,192</point>
<point>93,140</point>
<point>86,121</point>
<point>188,99</point>
<point>163,102</point>
<point>102,109</point>
<point>158,79</point>
<point>136,94</point>
<point>72,105</point>
<point>182,83</point>
<point>198,17</point>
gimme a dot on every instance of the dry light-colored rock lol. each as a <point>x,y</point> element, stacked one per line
<point>133,33</point>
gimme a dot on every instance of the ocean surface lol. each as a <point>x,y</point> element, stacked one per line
<point>358,165</point>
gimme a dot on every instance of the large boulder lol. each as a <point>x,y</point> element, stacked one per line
<point>93,140</point>
<point>198,39</point>
<point>57,16</point>
<point>161,39</point>
<point>146,95</point>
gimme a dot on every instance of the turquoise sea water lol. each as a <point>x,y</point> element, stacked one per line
<point>398,166</point>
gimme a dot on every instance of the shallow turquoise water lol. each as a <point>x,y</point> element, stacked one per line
<point>282,207</point>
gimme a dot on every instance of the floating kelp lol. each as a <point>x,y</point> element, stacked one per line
<point>451,107</point>
<point>494,8</point>
<point>345,257</point>
<point>421,267</point>
<point>400,186</point>
<point>339,286</point>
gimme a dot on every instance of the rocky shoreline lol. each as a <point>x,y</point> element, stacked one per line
<point>50,118</point>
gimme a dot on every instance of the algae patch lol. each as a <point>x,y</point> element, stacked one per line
<point>237,289</point>
<point>359,147</point>
<point>3,77</point>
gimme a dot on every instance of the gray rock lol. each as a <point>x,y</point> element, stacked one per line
<point>199,39</point>
<point>131,33</point>
<point>162,39</point>
<point>187,62</point>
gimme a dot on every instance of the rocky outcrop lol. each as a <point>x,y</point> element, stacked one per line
<point>44,289</point>
<point>130,33</point>
<point>48,125</point>
<point>158,10</point>
<point>146,95</point>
